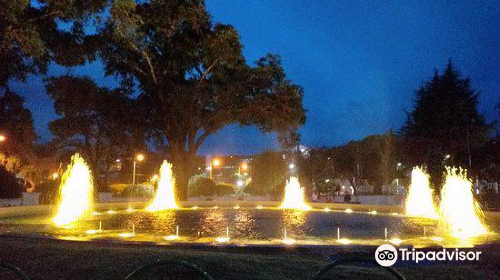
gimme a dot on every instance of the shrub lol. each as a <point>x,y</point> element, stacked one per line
<point>201,185</point>
<point>9,185</point>
<point>49,191</point>
<point>225,189</point>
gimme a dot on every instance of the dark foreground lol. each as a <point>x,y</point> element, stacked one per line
<point>52,259</point>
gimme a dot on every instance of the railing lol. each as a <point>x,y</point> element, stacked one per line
<point>192,269</point>
<point>13,269</point>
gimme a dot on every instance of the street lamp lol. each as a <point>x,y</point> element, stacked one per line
<point>2,138</point>
<point>215,162</point>
<point>139,157</point>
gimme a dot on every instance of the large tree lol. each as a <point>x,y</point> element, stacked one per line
<point>193,78</point>
<point>444,126</point>
<point>98,122</point>
<point>31,37</point>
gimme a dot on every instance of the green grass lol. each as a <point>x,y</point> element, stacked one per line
<point>51,259</point>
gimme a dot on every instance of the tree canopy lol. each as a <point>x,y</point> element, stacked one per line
<point>98,122</point>
<point>193,78</point>
<point>31,37</point>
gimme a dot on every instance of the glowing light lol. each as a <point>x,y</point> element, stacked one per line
<point>289,241</point>
<point>240,183</point>
<point>395,214</point>
<point>172,237</point>
<point>373,212</point>
<point>165,194</point>
<point>459,214</point>
<point>396,241</point>
<point>93,231</point>
<point>55,175</point>
<point>140,157</point>
<point>95,214</point>
<point>437,238</point>
<point>2,138</point>
<point>294,196</point>
<point>244,166</point>
<point>344,241</point>
<point>216,162</point>
<point>348,210</point>
<point>419,202</point>
<point>155,178</point>
<point>326,209</point>
<point>291,166</point>
<point>215,207</point>
<point>236,207</point>
<point>195,207</point>
<point>76,193</point>
<point>130,210</point>
<point>259,207</point>
<point>111,212</point>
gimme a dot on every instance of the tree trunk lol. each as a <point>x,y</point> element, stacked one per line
<point>182,161</point>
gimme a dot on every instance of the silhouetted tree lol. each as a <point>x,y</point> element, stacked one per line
<point>95,121</point>
<point>193,78</point>
<point>444,121</point>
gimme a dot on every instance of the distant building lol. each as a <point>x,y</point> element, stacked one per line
<point>228,169</point>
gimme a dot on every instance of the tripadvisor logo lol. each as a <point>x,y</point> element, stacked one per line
<point>387,255</point>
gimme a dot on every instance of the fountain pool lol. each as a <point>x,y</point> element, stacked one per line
<point>248,226</point>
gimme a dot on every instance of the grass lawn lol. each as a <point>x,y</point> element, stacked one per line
<point>51,259</point>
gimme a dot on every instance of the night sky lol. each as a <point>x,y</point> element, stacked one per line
<point>358,61</point>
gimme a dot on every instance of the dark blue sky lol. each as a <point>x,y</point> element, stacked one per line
<point>358,61</point>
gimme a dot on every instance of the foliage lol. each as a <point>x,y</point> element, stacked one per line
<point>97,122</point>
<point>223,189</point>
<point>444,121</point>
<point>200,185</point>
<point>193,78</point>
<point>267,170</point>
<point>9,185</point>
<point>30,37</point>
<point>16,124</point>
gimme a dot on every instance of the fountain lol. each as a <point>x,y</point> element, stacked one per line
<point>419,202</point>
<point>165,194</point>
<point>459,213</point>
<point>294,196</point>
<point>76,193</point>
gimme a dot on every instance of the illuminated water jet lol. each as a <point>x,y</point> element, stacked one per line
<point>224,239</point>
<point>286,240</point>
<point>419,202</point>
<point>175,236</point>
<point>294,196</point>
<point>76,193</point>
<point>165,194</point>
<point>459,213</point>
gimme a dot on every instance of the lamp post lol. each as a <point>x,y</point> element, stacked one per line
<point>138,158</point>
<point>215,162</point>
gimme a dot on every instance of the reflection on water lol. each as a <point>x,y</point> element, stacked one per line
<point>248,225</point>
